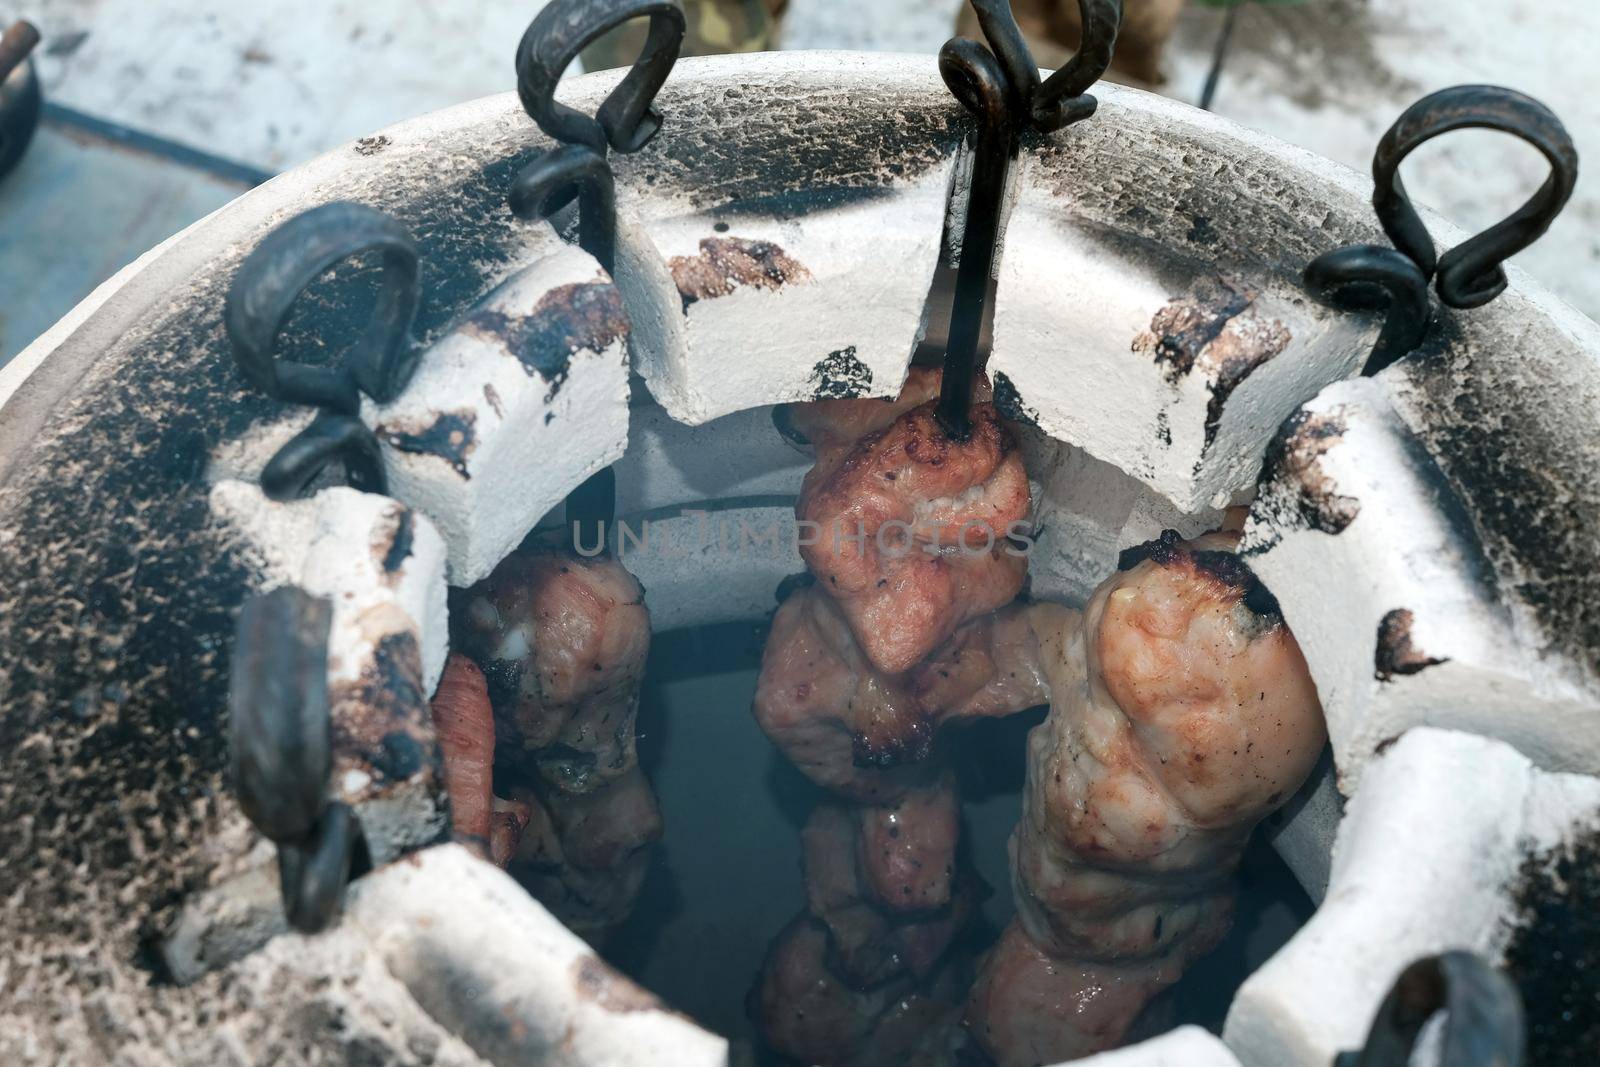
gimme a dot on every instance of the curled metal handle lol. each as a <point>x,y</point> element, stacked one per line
<point>16,42</point>
<point>552,181</point>
<point>975,77</point>
<point>627,120</point>
<point>1483,1027</point>
<point>313,873</point>
<point>329,438</point>
<point>281,749</point>
<point>1374,278</point>
<point>283,265</point>
<point>20,99</point>
<point>1061,99</point>
<point>1000,86</point>
<point>1470,275</point>
<point>279,727</point>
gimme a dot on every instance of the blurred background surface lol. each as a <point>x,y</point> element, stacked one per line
<point>159,111</point>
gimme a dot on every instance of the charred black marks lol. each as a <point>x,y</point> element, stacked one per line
<point>1295,492</point>
<point>728,263</point>
<point>581,317</point>
<point>911,744</point>
<point>1554,951</point>
<point>451,436</point>
<point>1009,402</point>
<point>1515,461</point>
<point>398,757</point>
<point>792,584</point>
<point>840,376</point>
<point>401,541</point>
<point>381,722</point>
<point>1245,345</point>
<point>1213,328</point>
<point>1184,328</point>
<point>1396,653</point>
<point>1201,232</point>
<point>505,683</point>
<point>1225,568</point>
<point>570,769</point>
<point>587,316</point>
<point>1229,570</point>
<point>1163,550</point>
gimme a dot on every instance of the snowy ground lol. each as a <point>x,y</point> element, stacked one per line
<point>1333,74</point>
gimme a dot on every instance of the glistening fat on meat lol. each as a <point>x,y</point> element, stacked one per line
<point>1182,713</point>
<point>907,528</point>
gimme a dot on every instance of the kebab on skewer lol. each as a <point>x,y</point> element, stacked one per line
<point>546,695</point>
<point>1181,714</point>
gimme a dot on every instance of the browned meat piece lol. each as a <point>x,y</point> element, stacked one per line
<point>562,640</point>
<point>507,825</point>
<point>464,723</point>
<point>831,427</point>
<point>881,927</point>
<point>1030,1008</point>
<point>847,727</point>
<point>907,848</point>
<point>865,735</point>
<point>806,1012</point>
<point>908,527</point>
<point>993,666</point>
<point>584,855</point>
<point>1182,712</point>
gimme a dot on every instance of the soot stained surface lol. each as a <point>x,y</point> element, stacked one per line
<point>1555,953</point>
<point>117,591</point>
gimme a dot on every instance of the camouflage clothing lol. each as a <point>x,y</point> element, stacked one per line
<point>716,27</point>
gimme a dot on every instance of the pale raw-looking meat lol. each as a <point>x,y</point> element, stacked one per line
<point>866,735</point>
<point>908,528</point>
<point>807,1012</point>
<point>1181,713</point>
<point>562,640</point>
<point>464,723</point>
